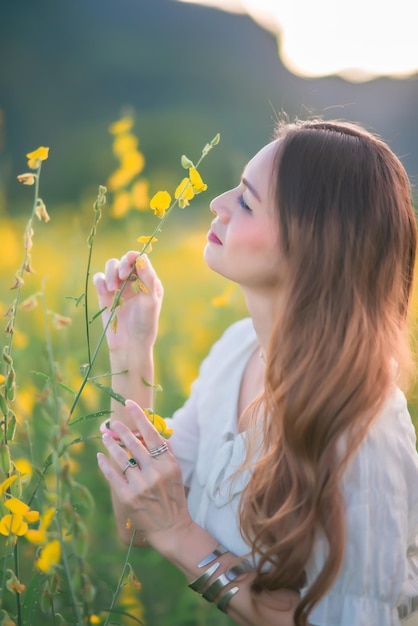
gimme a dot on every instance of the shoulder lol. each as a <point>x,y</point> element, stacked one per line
<point>382,475</point>
<point>237,338</point>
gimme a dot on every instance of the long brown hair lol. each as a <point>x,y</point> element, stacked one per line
<point>347,234</point>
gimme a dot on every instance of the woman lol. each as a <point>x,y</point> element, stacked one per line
<point>296,447</point>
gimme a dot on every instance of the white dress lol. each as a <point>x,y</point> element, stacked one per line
<point>380,490</point>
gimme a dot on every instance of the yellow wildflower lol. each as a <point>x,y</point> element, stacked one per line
<point>6,483</point>
<point>31,516</point>
<point>160,202</point>
<point>49,557</point>
<point>16,506</point>
<point>133,162</point>
<point>119,179</point>
<point>24,468</point>
<point>196,181</point>
<point>159,423</point>
<point>124,143</point>
<point>121,126</point>
<point>121,204</point>
<point>26,179</point>
<point>13,524</point>
<point>147,239</point>
<point>35,157</point>
<point>139,195</point>
<point>39,536</point>
<point>94,619</point>
<point>184,193</point>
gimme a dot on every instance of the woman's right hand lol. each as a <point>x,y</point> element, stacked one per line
<point>137,315</point>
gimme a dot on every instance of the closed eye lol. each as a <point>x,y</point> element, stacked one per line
<point>243,204</point>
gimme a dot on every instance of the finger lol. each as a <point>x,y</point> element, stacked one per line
<point>119,455</point>
<point>150,436</point>
<point>112,274</point>
<point>127,262</point>
<point>148,431</point>
<point>113,476</point>
<point>148,275</point>
<point>100,284</point>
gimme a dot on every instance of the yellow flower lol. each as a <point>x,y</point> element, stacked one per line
<point>35,157</point>
<point>26,179</point>
<point>120,178</point>
<point>159,423</point>
<point>133,162</point>
<point>184,193</point>
<point>139,195</point>
<point>6,483</point>
<point>147,239</point>
<point>13,524</point>
<point>123,125</point>
<point>49,557</point>
<point>160,202</point>
<point>196,181</point>
<point>94,619</point>
<point>31,516</point>
<point>36,536</point>
<point>121,204</point>
<point>16,506</point>
<point>24,468</point>
<point>124,143</point>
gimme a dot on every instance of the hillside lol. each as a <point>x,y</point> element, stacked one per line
<point>68,69</point>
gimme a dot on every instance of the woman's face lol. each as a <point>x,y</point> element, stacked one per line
<point>243,240</point>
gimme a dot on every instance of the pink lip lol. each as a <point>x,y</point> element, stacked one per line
<point>213,238</point>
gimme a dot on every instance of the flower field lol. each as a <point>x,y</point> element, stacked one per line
<point>60,559</point>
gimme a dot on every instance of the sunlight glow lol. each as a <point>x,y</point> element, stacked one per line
<point>358,40</point>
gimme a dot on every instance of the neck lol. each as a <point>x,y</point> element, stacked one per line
<point>263,311</point>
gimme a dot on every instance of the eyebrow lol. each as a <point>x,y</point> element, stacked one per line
<point>251,188</point>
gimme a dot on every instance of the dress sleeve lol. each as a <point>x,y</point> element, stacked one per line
<point>184,441</point>
<point>379,492</point>
<point>212,384</point>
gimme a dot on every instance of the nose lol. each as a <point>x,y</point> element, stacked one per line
<point>221,207</point>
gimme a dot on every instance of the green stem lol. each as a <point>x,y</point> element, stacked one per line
<point>18,289</point>
<point>115,304</point>
<point>68,575</point>
<point>18,603</point>
<point>118,588</point>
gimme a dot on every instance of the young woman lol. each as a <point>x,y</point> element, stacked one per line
<point>296,447</point>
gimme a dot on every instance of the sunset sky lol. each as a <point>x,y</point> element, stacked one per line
<point>359,40</point>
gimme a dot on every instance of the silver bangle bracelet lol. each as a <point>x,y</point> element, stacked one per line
<point>223,602</point>
<point>224,579</point>
<point>197,584</point>
<point>218,551</point>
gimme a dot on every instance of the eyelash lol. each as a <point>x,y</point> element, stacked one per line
<point>243,204</point>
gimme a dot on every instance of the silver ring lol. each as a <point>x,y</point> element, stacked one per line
<point>130,463</point>
<point>159,450</point>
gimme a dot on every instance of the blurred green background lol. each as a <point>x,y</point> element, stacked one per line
<point>184,72</point>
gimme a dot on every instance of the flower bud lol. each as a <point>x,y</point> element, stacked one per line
<point>185,162</point>
<point>27,178</point>
<point>5,463</point>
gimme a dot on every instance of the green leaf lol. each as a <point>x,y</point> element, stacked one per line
<point>96,315</point>
<point>109,391</point>
<point>30,604</point>
<point>89,416</point>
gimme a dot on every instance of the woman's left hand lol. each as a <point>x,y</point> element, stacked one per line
<point>152,491</point>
